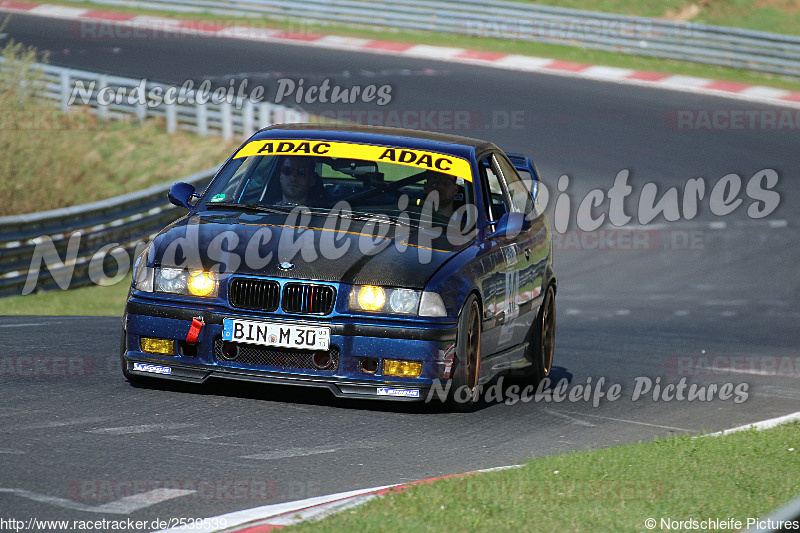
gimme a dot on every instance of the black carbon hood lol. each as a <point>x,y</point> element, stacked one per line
<point>320,248</point>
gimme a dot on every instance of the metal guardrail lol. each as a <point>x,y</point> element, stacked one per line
<point>701,43</point>
<point>228,117</point>
<point>125,222</point>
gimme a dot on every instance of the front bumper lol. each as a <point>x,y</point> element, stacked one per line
<point>354,343</point>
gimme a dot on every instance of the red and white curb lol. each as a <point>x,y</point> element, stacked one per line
<point>277,516</point>
<point>165,27</point>
<point>280,515</point>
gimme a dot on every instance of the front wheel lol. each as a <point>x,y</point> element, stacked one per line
<point>467,360</point>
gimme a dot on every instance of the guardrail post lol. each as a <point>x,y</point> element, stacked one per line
<point>141,112</point>
<point>172,118</point>
<point>292,115</point>
<point>202,120</point>
<point>247,118</point>
<point>278,115</point>
<point>227,121</point>
<point>102,110</point>
<point>66,78</point>
<point>264,115</point>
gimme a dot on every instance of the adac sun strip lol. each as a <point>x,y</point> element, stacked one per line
<point>444,163</point>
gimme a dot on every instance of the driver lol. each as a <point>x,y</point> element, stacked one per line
<point>297,178</point>
<point>446,186</point>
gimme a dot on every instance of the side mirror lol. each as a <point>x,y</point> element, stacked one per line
<point>510,225</point>
<point>180,194</point>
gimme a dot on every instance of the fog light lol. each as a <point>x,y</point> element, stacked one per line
<point>157,346</point>
<point>229,351</point>
<point>403,369</point>
<point>321,360</point>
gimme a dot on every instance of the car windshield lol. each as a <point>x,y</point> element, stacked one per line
<point>356,187</point>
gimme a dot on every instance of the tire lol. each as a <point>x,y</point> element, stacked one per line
<point>467,359</point>
<point>542,340</point>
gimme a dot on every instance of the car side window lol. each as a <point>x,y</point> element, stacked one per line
<point>230,188</point>
<point>531,181</point>
<point>246,183</point>
<point>519,193</point>
<point>496,204</point>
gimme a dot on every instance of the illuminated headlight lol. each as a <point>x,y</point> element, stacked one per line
<point>202,283</point>
<point>190,283</point>
<point>383,300</point>
<point>368,298</point>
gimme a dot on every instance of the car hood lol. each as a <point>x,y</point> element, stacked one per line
<point>321,248</point>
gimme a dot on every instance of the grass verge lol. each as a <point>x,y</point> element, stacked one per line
<point>52,159</point>
<point>93,300</point>
<point>751,14</point>
<point>105,160</point>
<point>89,160</point>
<point>742,475</point>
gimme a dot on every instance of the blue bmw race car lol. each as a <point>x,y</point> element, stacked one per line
<point>378,263</point>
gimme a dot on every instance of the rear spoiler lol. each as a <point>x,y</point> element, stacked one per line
<point>525,165</point>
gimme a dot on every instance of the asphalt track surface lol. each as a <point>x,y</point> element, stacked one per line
<point>718,292</point>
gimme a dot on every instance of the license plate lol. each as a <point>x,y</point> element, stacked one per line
<point>280,335</point>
